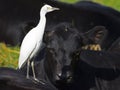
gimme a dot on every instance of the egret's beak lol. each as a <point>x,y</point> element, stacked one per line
<point>54,8</point>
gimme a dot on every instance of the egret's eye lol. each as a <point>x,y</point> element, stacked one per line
<point>49,8</point>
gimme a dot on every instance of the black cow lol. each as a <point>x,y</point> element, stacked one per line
<point>11,79</point>
<point>61,43</point>
<point>17,17</point>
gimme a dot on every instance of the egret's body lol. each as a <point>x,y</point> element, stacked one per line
<point>33,40</point>
<point>31,43</point>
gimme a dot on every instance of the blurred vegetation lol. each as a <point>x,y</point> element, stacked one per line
<point>69,1</point>
<point>9,55</point>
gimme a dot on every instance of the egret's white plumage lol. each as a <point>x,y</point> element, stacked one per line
<point>33,40</point>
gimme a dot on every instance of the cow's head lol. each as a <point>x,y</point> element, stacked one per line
<point>61,42</point>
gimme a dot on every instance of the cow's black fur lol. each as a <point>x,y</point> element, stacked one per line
<point>11,79</point>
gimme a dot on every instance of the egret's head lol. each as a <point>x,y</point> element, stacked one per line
<point>47,8</point>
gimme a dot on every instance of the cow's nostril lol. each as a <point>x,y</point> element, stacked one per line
<point>58,76</point>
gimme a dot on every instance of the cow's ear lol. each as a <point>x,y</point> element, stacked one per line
<point>97,34</point>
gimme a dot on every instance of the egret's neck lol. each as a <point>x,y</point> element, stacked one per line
<point>42,23</point>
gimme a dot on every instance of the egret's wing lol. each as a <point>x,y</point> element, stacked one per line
<point>25,56</point>
<point>27,47</point>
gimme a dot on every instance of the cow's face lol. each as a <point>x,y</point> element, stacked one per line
<point>61,42</point>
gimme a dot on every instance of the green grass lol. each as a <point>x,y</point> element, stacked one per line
<point>69,1</point>
<point>9,56</point>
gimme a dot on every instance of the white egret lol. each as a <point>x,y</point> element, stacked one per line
<point>33,40</point>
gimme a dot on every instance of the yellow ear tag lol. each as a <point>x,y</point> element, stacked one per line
<point>95,47</point>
